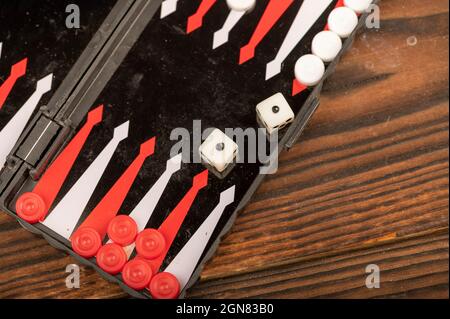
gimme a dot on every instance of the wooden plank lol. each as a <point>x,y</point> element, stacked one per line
<point>31,268</point>
<point>413,268</point>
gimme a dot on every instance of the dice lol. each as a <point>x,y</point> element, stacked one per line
<point>218,151</point>
<point>274,113</point>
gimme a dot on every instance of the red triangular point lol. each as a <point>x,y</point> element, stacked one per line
<point>297,87</point>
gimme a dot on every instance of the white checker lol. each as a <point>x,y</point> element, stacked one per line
<point>359,6</point>
<point>275,113</point>
<point>310,11</point>
<point>241,5</point>
<point>309,70</point>
<point>342,21</point>
<point>326,45</point>
<point>218,150</point>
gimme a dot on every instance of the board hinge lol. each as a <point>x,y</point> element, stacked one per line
<point>35,144</point>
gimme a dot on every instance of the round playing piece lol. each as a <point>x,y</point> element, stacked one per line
<point>86,242</point>
<point>111,258</point>
<point>150,243</point>
<point>326,45</point>
<point>309,70</point>
<point>122,230</point>
<point>359,6</point>
<point>342,21</point>
<point>137,274</point>
<point>241,5</point>
<point>164,286</point>
<point>30,207</point>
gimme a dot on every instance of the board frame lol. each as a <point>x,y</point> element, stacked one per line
<point>87,78</point>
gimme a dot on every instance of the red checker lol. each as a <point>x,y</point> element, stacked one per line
<point>30,207</point>
<point>137,274</point>
<point>86,242</point>
<point>164,285</point>
<point>150,243</point>
<point>111,258</point>
<point>122,230</point>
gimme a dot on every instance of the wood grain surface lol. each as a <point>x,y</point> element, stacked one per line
<point>366,184</point>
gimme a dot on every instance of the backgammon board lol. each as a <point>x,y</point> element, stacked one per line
<point>133,141</point>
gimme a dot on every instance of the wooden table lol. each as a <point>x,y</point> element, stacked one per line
<point>367,184</point>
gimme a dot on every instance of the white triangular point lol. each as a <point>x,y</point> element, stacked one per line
<point>12,131</point>
<point>1,46</point>
<point>168,7</point>
<point>144,210</point>
<point>183,265</point>
<point>310,11</point>
<point>67,213</point>
<point>221,36</point>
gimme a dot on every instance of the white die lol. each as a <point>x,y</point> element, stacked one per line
<point>218,150</point>
<point>275,113</point>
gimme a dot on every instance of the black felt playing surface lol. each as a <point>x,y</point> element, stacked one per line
<point>36,29</point>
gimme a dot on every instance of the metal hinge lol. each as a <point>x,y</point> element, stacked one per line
<point>36,143</point>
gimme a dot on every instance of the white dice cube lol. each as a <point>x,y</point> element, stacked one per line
<point>275,113</point>
<point>218,150</point>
